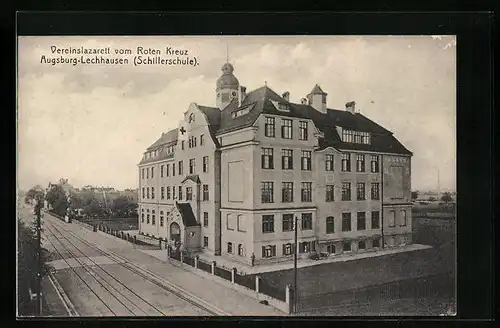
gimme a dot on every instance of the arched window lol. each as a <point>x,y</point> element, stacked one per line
<point>240,250</point>
<point>229,248</point>
<point>331,249</point>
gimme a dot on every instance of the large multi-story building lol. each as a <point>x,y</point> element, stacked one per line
<point>231,179</point>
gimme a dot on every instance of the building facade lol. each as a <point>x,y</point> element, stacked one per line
<point>232,179</point>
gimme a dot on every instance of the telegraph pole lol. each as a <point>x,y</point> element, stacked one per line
<point>295,290</point>
<point>39,257</point>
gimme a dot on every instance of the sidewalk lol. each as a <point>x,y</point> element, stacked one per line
<point>302,263</point>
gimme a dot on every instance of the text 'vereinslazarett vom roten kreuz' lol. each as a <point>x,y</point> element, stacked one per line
<point>80,51</point>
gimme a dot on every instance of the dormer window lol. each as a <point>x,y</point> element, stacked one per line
<point>283,107</point>
<point>241,112</point>
<point>358,137</point>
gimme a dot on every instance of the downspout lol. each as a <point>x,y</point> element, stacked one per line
<point>382,198</point>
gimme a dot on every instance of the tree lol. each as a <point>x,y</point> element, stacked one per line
<point>28,267</point>
<point>414,195</point>
<point>94,208</point>
<point>33,193</point>
<point>123,206</point>
<point>446,197</point>
<point>57,199</point>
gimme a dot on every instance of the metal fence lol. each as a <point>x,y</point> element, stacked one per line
<point>223,273</point>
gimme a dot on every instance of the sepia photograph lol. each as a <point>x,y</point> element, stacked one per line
<point>276,176</point>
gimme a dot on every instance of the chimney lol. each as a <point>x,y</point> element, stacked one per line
<point>350,107</point>
<point>303,101</point>
<point>286,95</point>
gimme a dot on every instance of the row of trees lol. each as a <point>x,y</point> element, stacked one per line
<point>446,197</point>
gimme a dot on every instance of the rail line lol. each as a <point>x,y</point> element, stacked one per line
<point>95,264</point>
<point>141,272</point>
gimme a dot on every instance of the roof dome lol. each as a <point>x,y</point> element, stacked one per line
<point>227,80</point>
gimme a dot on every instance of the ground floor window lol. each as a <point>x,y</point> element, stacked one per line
<point>376,243</point>
<point>403,240</point>
<point>389,241</point>
<point>229,248</point>
<point>288,249</point>
<point>331,249</point>
<point>346,247</point>
<point>240,250</point>
<point>205,241</point>
<point>361,245</point>
<point>269,251</point>
<point>307,246</point>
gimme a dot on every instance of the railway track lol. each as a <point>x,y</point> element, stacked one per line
<point>142,273</point>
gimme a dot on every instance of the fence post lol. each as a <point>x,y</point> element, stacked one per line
<point>233,274</point>
<point>95,228</point>
<point>257,282</point>
<point>213,267</point>
<point>135,239</point>
<point>182,257</point>
<point>196,261</point>
<point>287,298</point>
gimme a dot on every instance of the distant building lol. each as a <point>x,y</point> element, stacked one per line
<point>231,179</point>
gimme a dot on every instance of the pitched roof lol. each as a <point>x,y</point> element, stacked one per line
<point>193,177</point>
<point>317,91</point>
<point>187,214</point>
<point>165,138</point>
<point>213,117</point>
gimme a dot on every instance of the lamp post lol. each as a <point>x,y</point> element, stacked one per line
<point>295,290</point>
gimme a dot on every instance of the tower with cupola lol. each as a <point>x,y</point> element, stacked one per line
<point>227,86</point>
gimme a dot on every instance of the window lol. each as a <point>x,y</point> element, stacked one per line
<point>361,245</point>
<point>240,250</point>
<point>360,163</point>
<point>346,246</point>
<point>286,128</point>
<point>182,144</point>
<point>374,164</point>
<point>161,171</point>
<point>168,170</point>
<point>161,219</point>
<point>205,241</point>
<point>306,221</point>
<point>376,243</point>
<point>346,162</point>
<point>205,164</point>
<point>240,222</point>
<point>190,142</point>
<point>306,160</point>
<point>287,192</point>
<point>267,158</point>
<point>331,249</point>
<point>288,249</point>
<point>306,191</point>
<point>330,193</point>
<point>346,191</point>
<point>205,219</point>
<point>180,192</point>
<point>361,221</point>
<point>269,251</point>
<point>142,217</point>
<point>173,170</point>
<point>189,193</point>
<point>152,172</point>
<point>351,136</point>
<point>173,192</point>
<point>375,220</point>
<point>330,224</point>
<point>302,130</point>
<point>229,248</point>
<point>147,192</point>
<point>153,216</point>
<point>152,192</point>
<point>143,193</point>
<point>147,218</point>
<point>287,224</point>
<point>287,159</point>
<point>346,221</point>
<point>267,192</point>
<point>205,192</point>
<point>360,191</point>
<point>147,172</point>
<point>162,191</point>
<point>375,191</point>
<point>192,164</point>
<point>180,168</point>
<point>267,223</point>
<point>403,218</point>
<point>143,174</point>
<point>168,192</point>
<point>392,218</point>
<point>306,246</point>
<point>270,127</point>
<point>329,162</point>
<point>202,140</point>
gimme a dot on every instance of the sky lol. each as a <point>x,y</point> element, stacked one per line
<point>91,123</point>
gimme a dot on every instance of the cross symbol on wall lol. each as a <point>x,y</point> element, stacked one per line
<point>182,130</point>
